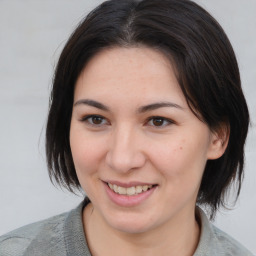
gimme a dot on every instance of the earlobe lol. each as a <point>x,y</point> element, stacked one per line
<point>218,143</point>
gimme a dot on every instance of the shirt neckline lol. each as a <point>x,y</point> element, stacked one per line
<point>74,236</point>
<point>76,244</point>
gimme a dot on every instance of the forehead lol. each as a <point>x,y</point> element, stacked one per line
<point>136,70</point>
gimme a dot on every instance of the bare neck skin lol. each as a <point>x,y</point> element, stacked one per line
<point>180,237</point>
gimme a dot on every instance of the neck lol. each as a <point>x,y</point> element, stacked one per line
<point>180,237</point>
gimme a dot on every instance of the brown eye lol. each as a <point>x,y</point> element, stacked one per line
<point>158,121</point>
<point>97,120</point>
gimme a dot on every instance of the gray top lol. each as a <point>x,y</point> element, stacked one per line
<point>63,235</point>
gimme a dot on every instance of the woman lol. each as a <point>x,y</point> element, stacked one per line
<point>147,116</point>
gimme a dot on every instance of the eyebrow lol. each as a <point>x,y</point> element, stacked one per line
<point>157,105</point>
<point>141,109</point>
<point>92,103</point>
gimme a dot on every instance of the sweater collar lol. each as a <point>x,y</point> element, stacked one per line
<point>76,244</point>
<point>74,236</point>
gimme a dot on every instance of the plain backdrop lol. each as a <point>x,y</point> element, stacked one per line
<point>32,34</point>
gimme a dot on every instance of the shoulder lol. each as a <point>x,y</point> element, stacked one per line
<point>23,241</point>
<point>229,244</point>
<point>215,242</point>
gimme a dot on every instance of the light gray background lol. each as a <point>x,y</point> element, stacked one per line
<point>32,34</point>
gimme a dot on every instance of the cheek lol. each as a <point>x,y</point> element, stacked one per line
<point>182,160</point>
<point>85,152</point>
<point>170,154</point>
<point>181,168</point>
<point>86,156</point>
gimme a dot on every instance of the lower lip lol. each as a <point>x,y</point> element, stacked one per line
<point>128,201</point>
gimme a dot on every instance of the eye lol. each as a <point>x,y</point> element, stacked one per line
<point>158,121</point>
<point>95,120</point>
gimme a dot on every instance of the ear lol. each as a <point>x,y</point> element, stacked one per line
<point>219,141</point>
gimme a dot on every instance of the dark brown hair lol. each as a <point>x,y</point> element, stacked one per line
<point>207,72</point>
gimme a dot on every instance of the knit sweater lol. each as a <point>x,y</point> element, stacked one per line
<point>63,235</point>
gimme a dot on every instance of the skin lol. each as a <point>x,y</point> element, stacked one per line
<point>126,144</point>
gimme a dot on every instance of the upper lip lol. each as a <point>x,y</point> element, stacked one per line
<point>128,184</point>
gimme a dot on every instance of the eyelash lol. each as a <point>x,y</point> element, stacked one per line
<point>90,117</point>
<point>165,121</point>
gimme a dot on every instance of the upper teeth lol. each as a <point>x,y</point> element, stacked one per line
<point>129,191</point>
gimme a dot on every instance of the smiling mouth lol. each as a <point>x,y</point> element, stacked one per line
<point>131,191</point>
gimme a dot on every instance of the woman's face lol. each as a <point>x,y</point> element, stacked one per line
<point>138,150</point>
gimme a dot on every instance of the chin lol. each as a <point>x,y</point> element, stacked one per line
<point>131,228</point>
<point>131,223</point>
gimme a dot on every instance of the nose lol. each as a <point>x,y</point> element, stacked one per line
<point>125,150</point>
